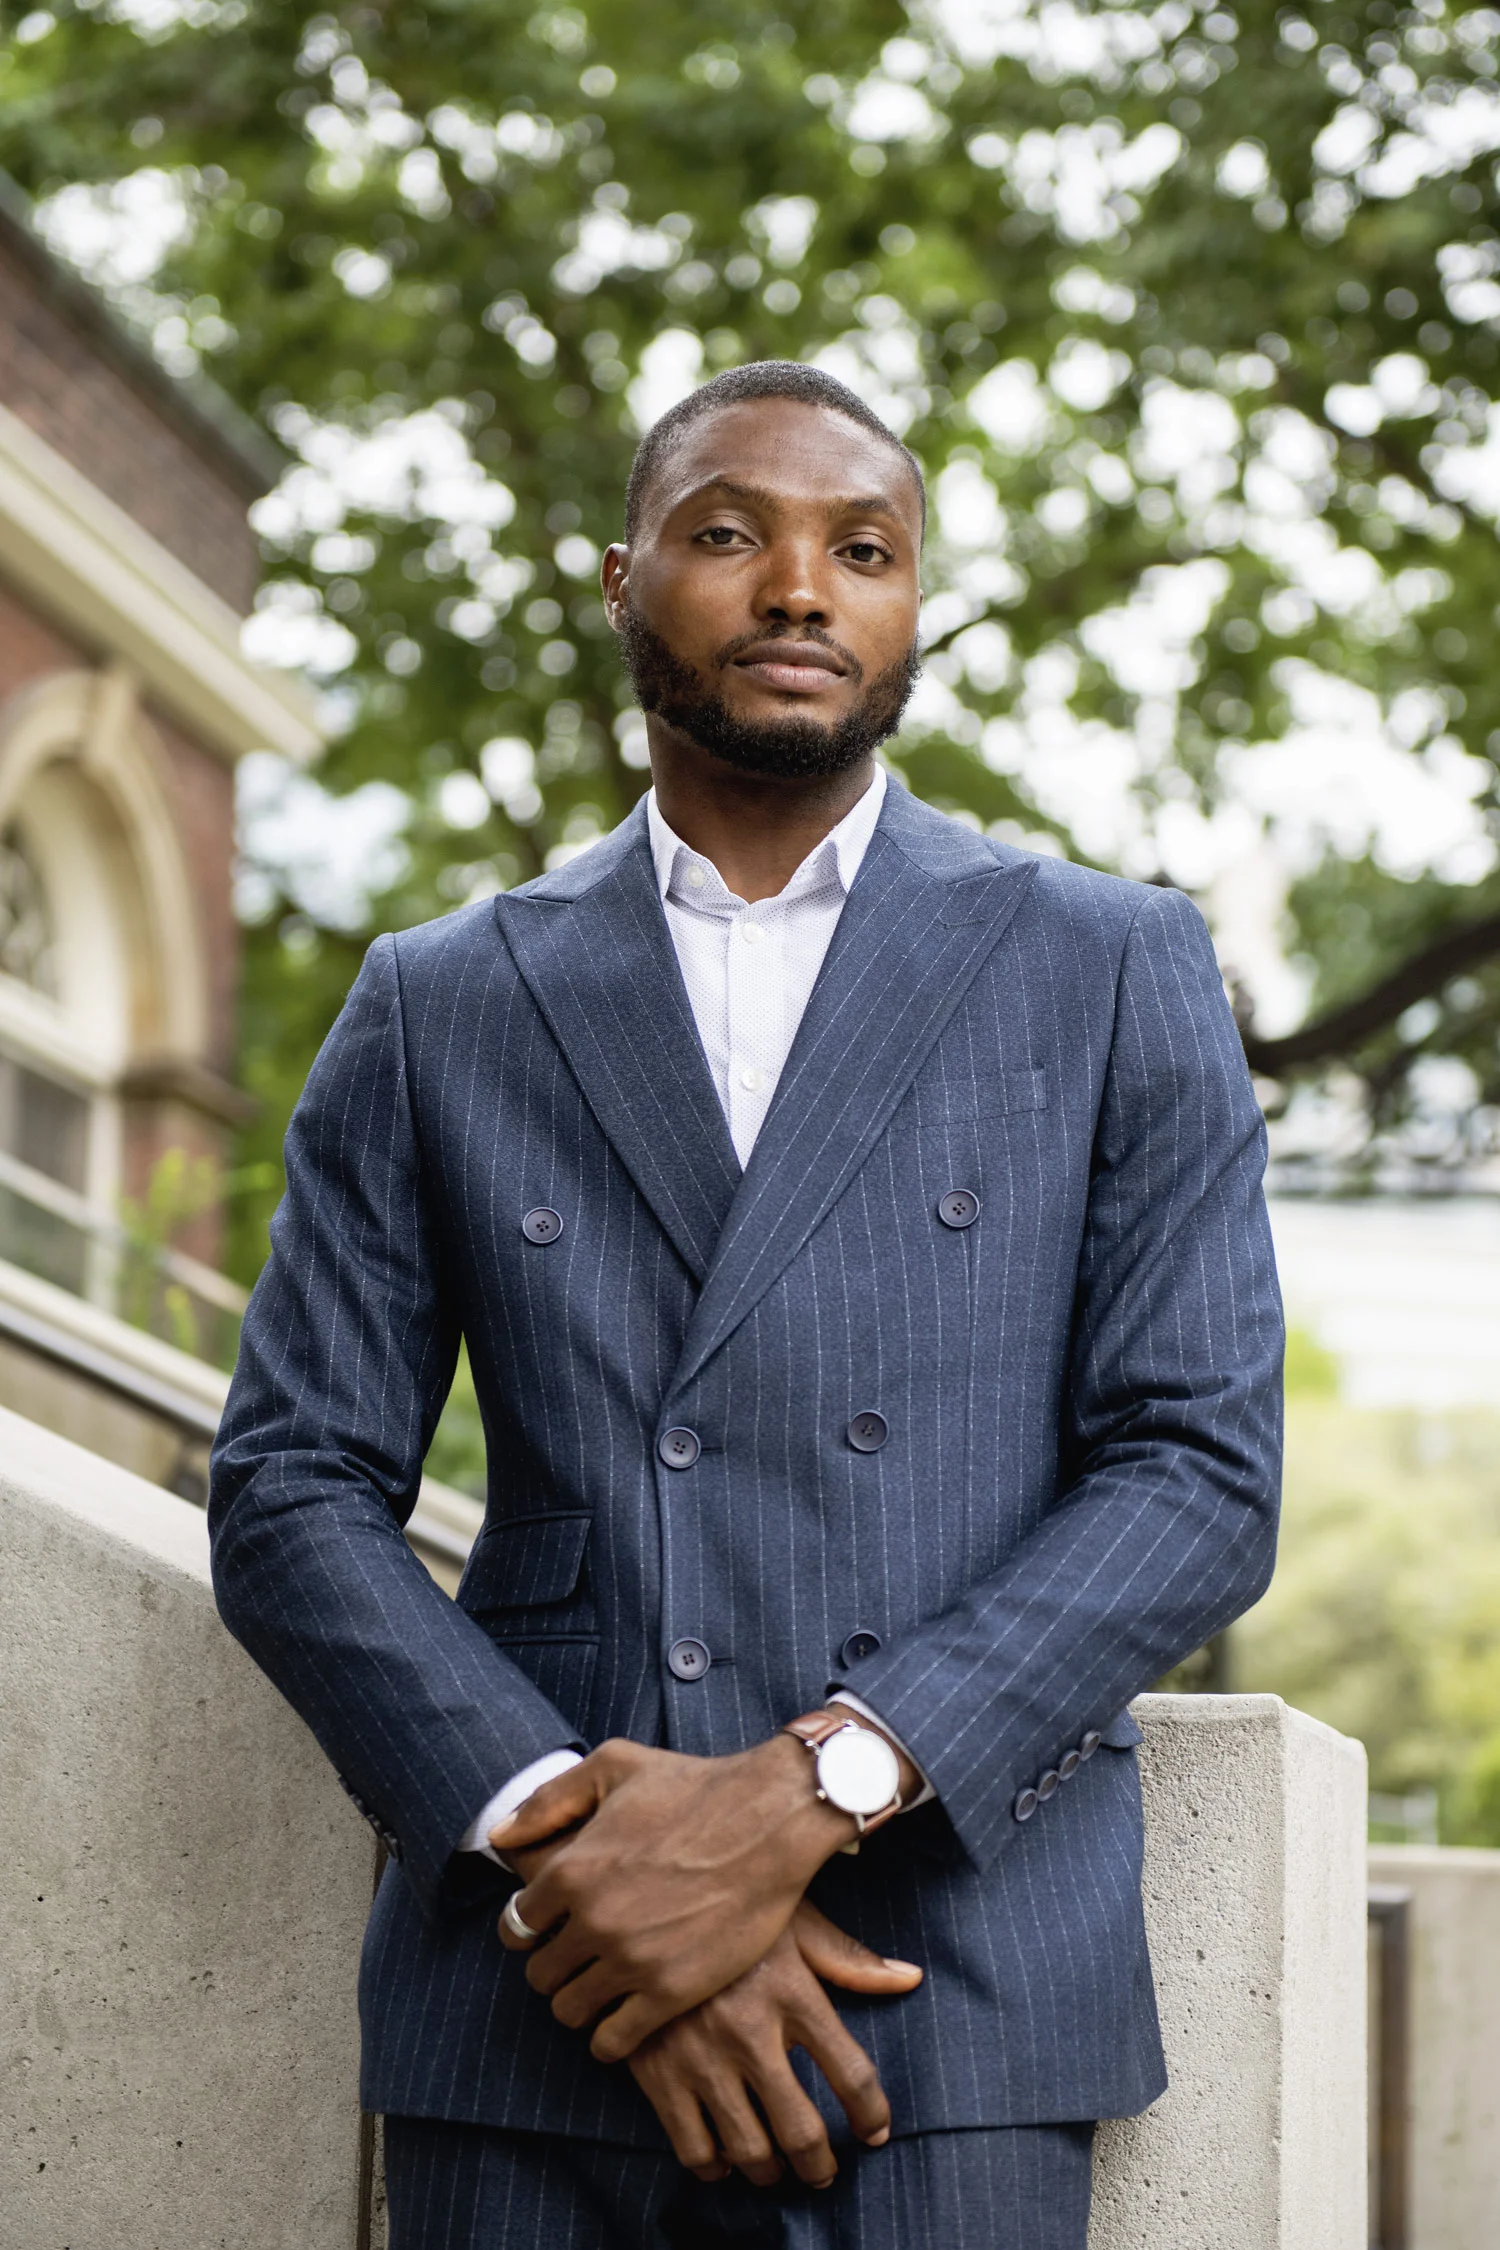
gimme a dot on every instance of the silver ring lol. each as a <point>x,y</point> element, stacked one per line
<point>518,1928</point>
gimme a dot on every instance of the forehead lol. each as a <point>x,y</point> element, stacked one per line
<point>804,455</point>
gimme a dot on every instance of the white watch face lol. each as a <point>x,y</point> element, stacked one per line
<point>858,1771</point>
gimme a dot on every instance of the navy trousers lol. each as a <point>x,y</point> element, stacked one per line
<point>478,2187</point>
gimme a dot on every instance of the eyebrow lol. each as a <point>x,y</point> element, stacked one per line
<point>867,504</point>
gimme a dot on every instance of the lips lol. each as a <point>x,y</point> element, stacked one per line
<point>793,667</point>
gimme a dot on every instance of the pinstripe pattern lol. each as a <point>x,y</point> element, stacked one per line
<point>1078,1486</point>
<point>462,2187</point>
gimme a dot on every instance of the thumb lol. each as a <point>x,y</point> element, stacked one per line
<point>840,1959</point>
<point>560,1803</point>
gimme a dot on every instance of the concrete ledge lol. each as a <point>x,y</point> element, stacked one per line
<point>1255,1903</point>
<point>181,1894</point>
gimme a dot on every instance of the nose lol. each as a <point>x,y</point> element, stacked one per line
<point>793,588</point>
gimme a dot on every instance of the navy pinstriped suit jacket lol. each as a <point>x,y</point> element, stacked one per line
<point>1079,1484</point>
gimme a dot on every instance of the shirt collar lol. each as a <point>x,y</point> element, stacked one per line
<point>841,851</point>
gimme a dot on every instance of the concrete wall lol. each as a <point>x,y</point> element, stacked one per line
<point>1255,1903</point>
<point>1454,2090</point>
<point>182,1890</point>
<point>184,1885</point>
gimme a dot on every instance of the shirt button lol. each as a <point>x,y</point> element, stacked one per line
<point>1025,1804</point>
<point>541,1226</point>
<point>868,1432</point>
<point>688,1660</point>
<point>695,878</point>
<point>752,1080</point>
<point>858,1646</point>
<point>751,932</point>
<point>958,1208</point>
<point>679,1448</point>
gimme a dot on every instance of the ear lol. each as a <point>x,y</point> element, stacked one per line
<point>614,581</point>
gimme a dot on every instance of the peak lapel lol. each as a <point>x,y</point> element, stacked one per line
<point>929,906</point>
<point>593,946</point>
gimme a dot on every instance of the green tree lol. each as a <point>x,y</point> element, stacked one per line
<point>1191,315</point>
<point>1384,1615</point>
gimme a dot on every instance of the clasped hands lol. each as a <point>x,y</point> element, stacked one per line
<point>669,1894</point>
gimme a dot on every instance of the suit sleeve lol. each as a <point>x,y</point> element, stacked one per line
<point>1164,1529</point>
<point>346,1357</point>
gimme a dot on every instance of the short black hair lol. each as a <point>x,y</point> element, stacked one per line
<point>762,378</point>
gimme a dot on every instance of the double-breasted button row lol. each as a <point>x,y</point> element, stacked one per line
<point>957,1207</point>
<point>680,1448</point>
<point>1047,1784</point>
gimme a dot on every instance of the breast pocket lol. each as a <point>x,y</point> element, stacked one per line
<point>965,1100</point>
<point>527,1586</point>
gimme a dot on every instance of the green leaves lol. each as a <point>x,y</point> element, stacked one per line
<point>1192,320</point>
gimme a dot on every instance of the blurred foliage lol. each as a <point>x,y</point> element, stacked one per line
<point>1384,1614</point>
<point>1154,291</point>
<point>456,1455</point>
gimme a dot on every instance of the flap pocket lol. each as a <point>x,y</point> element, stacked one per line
<point>1121,1733</point>
<point>525,1562</point>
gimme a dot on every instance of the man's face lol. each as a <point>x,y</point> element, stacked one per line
<point>767,606</point>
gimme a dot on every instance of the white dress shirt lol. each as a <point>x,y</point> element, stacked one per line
<point>749,972</point>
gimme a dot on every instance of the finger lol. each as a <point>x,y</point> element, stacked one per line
<point>847,2068</point>
<point>634,2020</point>
<point>530,1904</point>
<point>682,2117</point>
<point>742,2136</point>
<point>831,1953</point>
<point>549,1967</point>
<point>560,1803</point>
<point>796,2127</point>
<point>585,1996</point>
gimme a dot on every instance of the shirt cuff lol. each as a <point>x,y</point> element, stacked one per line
<point>842,1695</point>
<point>520,1786</point>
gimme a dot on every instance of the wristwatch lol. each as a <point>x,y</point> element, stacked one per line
<point>857,1770</point>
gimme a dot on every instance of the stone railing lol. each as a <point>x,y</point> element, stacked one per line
<point>184,1887</point>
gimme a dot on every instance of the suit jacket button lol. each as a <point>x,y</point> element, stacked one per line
<point>1069,1765</point>
<point>1025,1804</point>
<point>858,1646</point>
<point>868,1432</point>
<point>679,1448</point>
<point>958,1208</point>
<point>688,1660</point>
<point>1047,1786</point>
<point>1089,1745</point>
<point>541,1226</point>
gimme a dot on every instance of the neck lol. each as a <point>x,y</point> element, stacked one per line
<point>757,830</point>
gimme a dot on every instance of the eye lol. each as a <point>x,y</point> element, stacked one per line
<point>719,535</point>
<point>866,551</point>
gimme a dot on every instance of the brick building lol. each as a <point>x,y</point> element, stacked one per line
<point>126,565</point>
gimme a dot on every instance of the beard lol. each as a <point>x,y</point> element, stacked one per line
<point>790,749</point>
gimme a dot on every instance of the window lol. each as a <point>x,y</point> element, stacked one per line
<point>44,1128</point>
<point>27,939</point>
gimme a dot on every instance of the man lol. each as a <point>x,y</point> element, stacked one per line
<point>856,1229</point>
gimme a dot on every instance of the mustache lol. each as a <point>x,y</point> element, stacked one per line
<point>803,634</point>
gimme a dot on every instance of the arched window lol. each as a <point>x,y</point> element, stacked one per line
<point>28,936</point>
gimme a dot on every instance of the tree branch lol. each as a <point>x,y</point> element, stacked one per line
<point>1348,1027</point>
